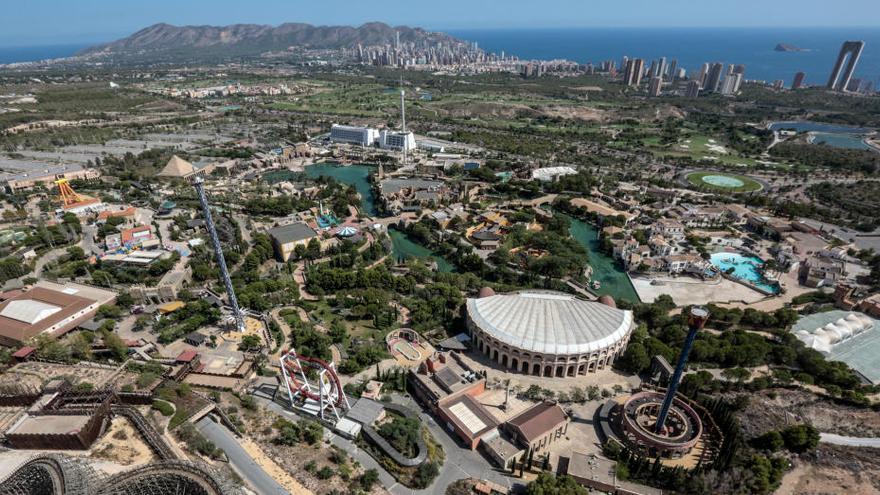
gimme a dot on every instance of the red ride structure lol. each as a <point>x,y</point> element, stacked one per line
<point>320,396</point>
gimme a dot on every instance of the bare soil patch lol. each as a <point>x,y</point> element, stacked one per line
<point>833,469</point>
<point>576,113</point>
<point>122,444</point>
<point>788,407</point>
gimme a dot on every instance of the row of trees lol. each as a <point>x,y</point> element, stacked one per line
<point>662,334</point>
<point>863,161</point>
<point>12,268</point>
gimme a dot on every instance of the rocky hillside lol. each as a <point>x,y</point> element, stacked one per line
<point>254,39</point>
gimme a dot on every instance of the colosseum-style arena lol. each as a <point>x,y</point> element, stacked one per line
<point>547,333</point>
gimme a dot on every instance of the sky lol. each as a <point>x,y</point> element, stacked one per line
<point>36,22</point>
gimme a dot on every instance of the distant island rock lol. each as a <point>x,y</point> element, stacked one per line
<point>785,47</point>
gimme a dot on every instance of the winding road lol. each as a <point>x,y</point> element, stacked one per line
<point>460,462</point>
<point>873,442</point>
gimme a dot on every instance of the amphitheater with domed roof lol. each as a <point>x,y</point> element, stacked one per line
<point>547,333</point>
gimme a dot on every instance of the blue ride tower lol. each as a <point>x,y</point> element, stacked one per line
<point>696,321</point>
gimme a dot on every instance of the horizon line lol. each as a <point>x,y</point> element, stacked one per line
<point>99,38</point>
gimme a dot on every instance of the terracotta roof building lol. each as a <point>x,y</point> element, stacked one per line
<point>136,235</point>
<point>187,356</point>
<point>469,419</point>
<point>538,426</point>
<point>128,212</point>
<point>49,308</point>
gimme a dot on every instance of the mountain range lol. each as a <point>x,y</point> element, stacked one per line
<point>164,40</point>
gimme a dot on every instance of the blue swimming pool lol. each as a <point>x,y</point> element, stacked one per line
<point>747,268</point>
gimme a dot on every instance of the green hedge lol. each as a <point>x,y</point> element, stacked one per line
<point>163,407</point>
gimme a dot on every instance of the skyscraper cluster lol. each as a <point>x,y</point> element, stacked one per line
<point>634,71</point>
<point>733,79</point>
<point>655,86</point>
<point>540,67</point>
<point>714,78</point>
<point>407,53</point>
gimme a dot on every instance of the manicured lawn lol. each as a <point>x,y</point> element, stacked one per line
<point>739,183</point>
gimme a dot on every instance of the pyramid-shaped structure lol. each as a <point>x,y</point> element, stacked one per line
<point>177,167</point>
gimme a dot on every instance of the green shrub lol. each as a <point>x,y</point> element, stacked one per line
<point>772,441</point>
<point>800,438</point>
<point>163,407</point>
<point>425,474</point>
<point>368,479</point>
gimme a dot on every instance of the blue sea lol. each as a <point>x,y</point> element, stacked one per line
<point>12,54</point>
<point>753,47</point>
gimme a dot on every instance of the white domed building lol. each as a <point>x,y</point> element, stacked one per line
<point>547,333</point>
<point>824,338</point>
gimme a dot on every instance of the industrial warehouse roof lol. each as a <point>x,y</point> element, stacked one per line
<point>549,322</point>
<point>293,232</point>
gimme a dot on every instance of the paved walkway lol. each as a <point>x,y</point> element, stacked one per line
<point>873,442</point>
<point>244,464</point>
<point>300,279</point>
<point>460,463</point>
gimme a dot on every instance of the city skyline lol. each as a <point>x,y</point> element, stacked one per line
<point>100,20</point>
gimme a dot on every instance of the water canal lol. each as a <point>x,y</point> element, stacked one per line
<point>612,278</point>
<point>355,175</point>
<point>402,247</point>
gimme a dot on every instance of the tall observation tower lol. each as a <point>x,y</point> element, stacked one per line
<point>199,184</point>
<point>403,122</point>
<point>661,424</point>
<point>696,321</point>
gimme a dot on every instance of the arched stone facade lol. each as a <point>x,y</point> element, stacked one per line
<point>561,366</point>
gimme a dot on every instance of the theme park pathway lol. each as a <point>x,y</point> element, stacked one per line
<point>402,312</point>
<point>460,463</point>
<point>275,314</point>
<point>300,278</point>
<point>873,442</point>
<point>246,465</point>
<point>44,260</point>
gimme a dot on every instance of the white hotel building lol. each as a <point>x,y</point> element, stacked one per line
<point>367,136</point>
<point>364,136</point>
<point>396,140</point>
